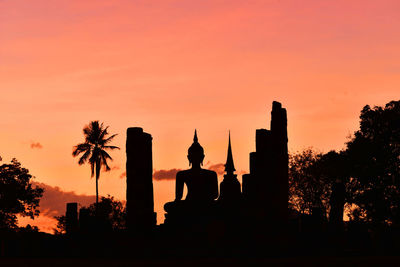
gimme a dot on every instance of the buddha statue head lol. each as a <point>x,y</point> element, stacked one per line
<point>195,152</point>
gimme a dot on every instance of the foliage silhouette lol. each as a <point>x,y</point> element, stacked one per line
<point>61,227</point>
<point>110,212</point>
<point>94,149</point>
<point>374,154</point>
<point>307,188</point>
<point>17,195</point>
<point>312,176</point>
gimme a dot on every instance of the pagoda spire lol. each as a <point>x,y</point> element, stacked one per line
<point>230,191</point>
<point>229,166</point>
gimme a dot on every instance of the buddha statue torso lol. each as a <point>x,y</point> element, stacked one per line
<point>202,185</point>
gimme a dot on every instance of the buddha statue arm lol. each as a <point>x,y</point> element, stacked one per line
<point>179,186</point>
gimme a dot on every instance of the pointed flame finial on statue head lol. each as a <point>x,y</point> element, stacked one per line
<point>195,139</point>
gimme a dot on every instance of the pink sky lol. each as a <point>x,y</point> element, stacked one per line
<point>173,66</point>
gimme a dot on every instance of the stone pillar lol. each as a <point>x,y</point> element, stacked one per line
<point>249,182</point>
<point>280,161</point>
<point>85,220</point>
<point>139,180</point>
<point>337,201</point>
<point>71,217</point>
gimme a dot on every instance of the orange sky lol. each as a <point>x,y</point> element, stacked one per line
<point>171,66</point>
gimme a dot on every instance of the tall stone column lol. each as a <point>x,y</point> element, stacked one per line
<point>280,172</point>
<point>139,182</point>
<point>71,216</point>
<point>337,202</point>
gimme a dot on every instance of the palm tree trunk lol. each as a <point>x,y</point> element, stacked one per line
<point>97,191</point>
<point>97,184</point>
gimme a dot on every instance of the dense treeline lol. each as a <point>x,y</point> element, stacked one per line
<point>368,167</point>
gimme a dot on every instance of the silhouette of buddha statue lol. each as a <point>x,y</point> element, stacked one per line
<point>202,184</point>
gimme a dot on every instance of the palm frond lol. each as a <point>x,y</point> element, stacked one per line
<point>80,148</point>
<point>92,169</point>
<point>84,157</point>
<point>105,155</point>
<point>110,147</point>
<point>109,139</point>
<point>105,163</point>
<point>87,132</point>
<point>103,132</point>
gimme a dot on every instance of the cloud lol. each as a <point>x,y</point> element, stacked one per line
<point>53,203</point>
<point>160,174</point>
<point>165,174</point>
<point>113,168</point>
<point>219,168</point>
<point>36,145</point>
<point>54,200</point>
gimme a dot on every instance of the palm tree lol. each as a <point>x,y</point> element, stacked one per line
<point>94,150</point>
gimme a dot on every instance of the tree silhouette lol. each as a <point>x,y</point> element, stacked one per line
<point>307,188</point>
<point>110,212</point>
<point>94,150</point>
<point>61,227</point>
<point>312,176</point>
<point>374,154</point>
<point>17,195</point>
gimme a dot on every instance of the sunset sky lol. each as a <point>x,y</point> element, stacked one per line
<point>172,66</point>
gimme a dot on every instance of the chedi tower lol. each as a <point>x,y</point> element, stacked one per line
<point>230,191</point>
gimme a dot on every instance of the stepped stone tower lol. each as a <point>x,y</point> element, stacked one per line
<point>139,182</point>
<point>265,189</point>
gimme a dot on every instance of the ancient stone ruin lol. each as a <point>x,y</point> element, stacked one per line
<point>139,180</point>
<point>265,189</point>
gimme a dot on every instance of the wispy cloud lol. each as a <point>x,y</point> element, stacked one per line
<point>114,168</point>
<point>165,174</point>
<point>36,145</point>
<point>219,168</point>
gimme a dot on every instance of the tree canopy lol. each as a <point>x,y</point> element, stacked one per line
<point>374,154</point>
<point>369,168</point>
<point>306,186</point>
<point>17,194</point>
